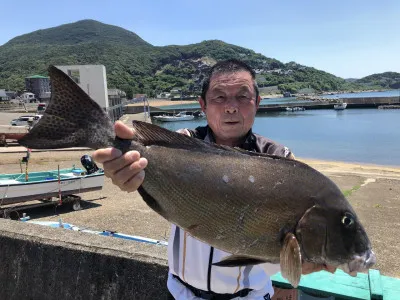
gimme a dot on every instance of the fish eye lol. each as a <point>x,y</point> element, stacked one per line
<point>348,220</point>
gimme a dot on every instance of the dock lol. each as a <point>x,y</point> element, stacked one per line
<point>307,104</point>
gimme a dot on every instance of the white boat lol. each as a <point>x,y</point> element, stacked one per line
<point>340,106</point>
<point>22,187</point>
<point>199,114</point>
<point>295,108</point>
<point>174,118</point>
<point>10,132</point>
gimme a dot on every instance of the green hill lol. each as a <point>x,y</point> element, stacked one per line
<point>389,80</point>
<point>136,66</point>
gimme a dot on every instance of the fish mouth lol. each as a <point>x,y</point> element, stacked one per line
<point>359,263</point>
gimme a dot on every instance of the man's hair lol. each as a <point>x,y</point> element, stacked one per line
<point>226,67</point>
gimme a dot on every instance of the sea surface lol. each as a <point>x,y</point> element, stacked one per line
<point>286,100</point>
<point>352,135</point>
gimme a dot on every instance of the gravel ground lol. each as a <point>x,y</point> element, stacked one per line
<point>375,197</point>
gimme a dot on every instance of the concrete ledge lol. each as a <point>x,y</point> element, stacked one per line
<point>38,262</point>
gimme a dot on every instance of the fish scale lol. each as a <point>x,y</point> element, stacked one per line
<point>209,212</point>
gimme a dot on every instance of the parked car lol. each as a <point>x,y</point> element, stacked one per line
<point>25,120</point>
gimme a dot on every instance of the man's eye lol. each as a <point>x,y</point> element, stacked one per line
<point>218,99</point>
<point>244,97</point>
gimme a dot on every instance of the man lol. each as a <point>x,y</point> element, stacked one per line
<point>230,100</point>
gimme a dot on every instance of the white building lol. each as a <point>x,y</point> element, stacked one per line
<point>92,79</point>
<point>28,97</point>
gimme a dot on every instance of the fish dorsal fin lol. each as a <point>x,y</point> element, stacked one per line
<point>238,260</point>
<point>149,134</point>
<point>72,118</point>
<point>290,260</point>
<point>266,155</point>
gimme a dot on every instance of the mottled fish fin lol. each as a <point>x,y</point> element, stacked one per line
<point>148,134</point>
<point>290,260</point>
<point>251,153</point>
<point>72,119</point>
<point>238,260</point>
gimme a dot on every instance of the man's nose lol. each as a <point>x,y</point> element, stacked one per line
<point>231,107</point>
<point>231,110</point>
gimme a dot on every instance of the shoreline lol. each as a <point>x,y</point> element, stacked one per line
<point>312,160</point>
<point>9,156</point>
<point>353,168</point>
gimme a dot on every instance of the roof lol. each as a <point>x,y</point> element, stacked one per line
<point>37,76</point>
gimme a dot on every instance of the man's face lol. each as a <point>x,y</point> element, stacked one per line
<point>230,106</point>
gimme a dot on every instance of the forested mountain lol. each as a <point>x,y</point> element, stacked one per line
<point>390,80</point>
<point>136,66</point>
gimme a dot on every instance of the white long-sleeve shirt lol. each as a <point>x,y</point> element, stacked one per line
<point>191,260</point>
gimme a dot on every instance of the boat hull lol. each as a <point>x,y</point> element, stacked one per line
<point>15,191</point>
<point>8,132</point>
<point>174,119</point>
<point>341,106</point>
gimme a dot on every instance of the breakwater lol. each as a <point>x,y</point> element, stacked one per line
<point>310,103</point>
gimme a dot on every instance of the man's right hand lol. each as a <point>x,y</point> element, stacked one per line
<point>126,171</point>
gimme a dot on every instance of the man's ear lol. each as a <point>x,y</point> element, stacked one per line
<point>258,101</point>
<point>202,103</point>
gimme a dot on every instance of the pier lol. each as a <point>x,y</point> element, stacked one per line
<point>307,104</point>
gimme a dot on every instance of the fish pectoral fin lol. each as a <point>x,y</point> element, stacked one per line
<point>290,260</point>
<point>151,202</point>
<point>237,261</point>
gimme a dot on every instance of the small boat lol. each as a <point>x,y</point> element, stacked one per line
<point>174,118</point>
<point>10,132</point>
<point>22,187</point>
<point>68,226</point>
<point>340,106</point>
<point>296,108</point>
<point>199,114</point>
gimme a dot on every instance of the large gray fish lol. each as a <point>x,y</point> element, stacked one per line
<point>258,207</point>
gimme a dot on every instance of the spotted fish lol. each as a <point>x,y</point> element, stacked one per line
<point>259,208</point>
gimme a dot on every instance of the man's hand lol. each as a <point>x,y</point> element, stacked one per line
<point>309,267</point>
<point>126,171</point>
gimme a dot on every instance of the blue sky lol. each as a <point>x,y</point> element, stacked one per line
<point>350,38</point>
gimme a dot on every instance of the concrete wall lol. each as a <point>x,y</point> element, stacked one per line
<point>38,262</point>
<point>92,79</point>
<point>372,100</point>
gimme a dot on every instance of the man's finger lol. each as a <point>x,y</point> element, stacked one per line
<point>103,155</point>
<point>133,184</point>
<point>125,174</point>
<point>123,131</point>
<point>113,166</point>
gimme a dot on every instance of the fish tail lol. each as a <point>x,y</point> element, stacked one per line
<point>72,119</point>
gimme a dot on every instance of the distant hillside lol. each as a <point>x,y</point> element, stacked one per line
<point>136,66</point>
<point>385,80</point>
<point>351,79</point>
